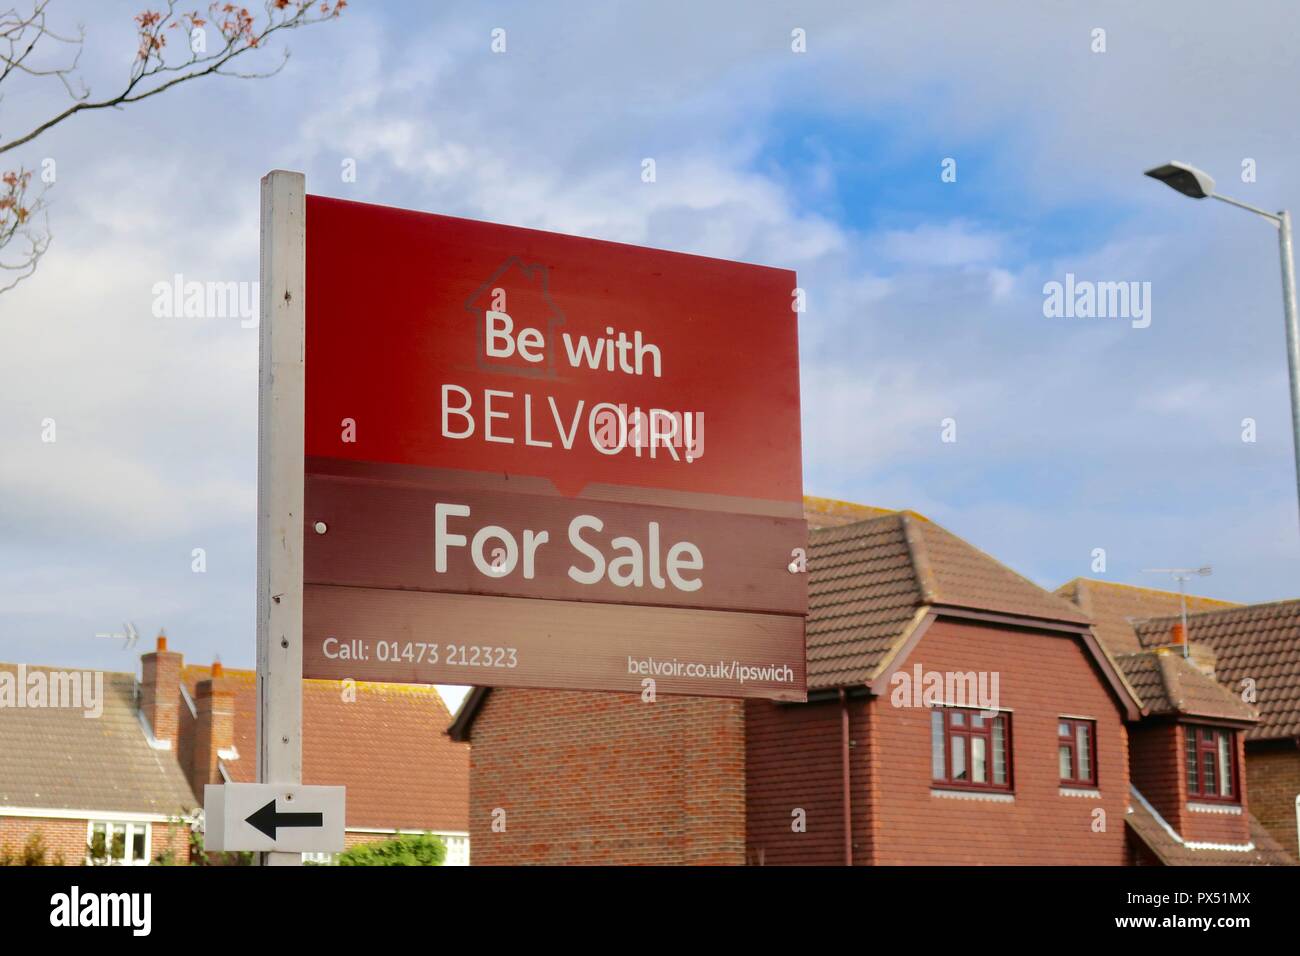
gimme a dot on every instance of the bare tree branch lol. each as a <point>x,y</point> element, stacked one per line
<point>30,47</point>
<point>240,33</point>
<point>20,35</point>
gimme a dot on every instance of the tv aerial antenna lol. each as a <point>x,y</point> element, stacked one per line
<point>128,639</point>
<point>1182,576</point>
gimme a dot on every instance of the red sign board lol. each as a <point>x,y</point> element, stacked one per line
<point>545,461</point>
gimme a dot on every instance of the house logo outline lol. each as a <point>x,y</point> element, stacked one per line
<point>532,272</point>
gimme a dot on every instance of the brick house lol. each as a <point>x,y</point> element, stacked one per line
<point>72,778</point>
<point>1245,648</point>
<point>1259,644</point>
<point>1185,761</point>
<point>869,770</point>
<point>145,761</point>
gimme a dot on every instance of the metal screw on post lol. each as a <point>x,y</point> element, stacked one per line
<point>1199,184</point>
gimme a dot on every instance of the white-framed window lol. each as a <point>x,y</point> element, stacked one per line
<point>457,849</point>
<point>320,858</point>
<point>111,843</point>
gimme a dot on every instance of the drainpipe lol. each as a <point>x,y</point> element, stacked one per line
<point>845,772</point>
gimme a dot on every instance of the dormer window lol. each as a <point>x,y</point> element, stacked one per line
<point>1211,757</point>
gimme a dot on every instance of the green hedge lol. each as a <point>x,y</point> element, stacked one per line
<point>408,849</point>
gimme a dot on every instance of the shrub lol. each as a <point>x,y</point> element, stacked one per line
<point>407,849</point>
<point>34,850</point>
<point>33,853</point>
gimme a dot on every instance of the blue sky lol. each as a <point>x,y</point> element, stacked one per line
<point>925,297</point>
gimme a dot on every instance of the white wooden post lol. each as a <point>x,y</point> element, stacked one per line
<point>281,416</point>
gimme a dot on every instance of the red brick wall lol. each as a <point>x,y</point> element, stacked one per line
<point>1042,676</point>
<point>605,778</point>
<point>214,730</point>
<point>1220,827</point>
<point>160,692</point>
<point>167,836</point>
<point>69,838</point>
<point>794,763</point>
<point>1156,767</point>
<point>185,742</point>
<point>62,837</point>
<point>1273,780</point>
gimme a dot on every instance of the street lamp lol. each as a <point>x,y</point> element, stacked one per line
<point>1198,184</point>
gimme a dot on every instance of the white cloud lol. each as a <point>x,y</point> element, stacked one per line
<point>934,313</point>
<point>946,244</point>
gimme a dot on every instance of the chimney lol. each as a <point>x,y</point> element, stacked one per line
<point>1203,656</point>
<point>160,691</point>
<point>214,726</point>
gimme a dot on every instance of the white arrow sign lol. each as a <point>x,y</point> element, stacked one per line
<point>264,817</point>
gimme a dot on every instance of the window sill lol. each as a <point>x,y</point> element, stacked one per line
<point>1230,809</point>
<point>990,796</point>
<point>1080,792</point>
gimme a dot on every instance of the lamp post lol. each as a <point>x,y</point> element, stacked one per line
<point>1198,184</point>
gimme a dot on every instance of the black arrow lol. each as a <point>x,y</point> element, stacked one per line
<point>267,820</point>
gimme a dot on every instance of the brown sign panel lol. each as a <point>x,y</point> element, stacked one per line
<point>542,461</point>
<point>428,637</point>
<point>388,527</point>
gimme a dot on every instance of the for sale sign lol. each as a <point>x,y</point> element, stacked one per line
<point>544,461</point>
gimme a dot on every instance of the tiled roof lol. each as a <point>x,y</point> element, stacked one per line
<point>1147,825</point>
<point>862,595</point>
<point>868,579</point>
<point>1130,621</point>
<point>387,747</point>
<point>1257,642</point>
<point>1114,608</point>
<point>57,758</point>
<point>1168,683</point>
<point>957,574</point>
<point>828,512</point>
